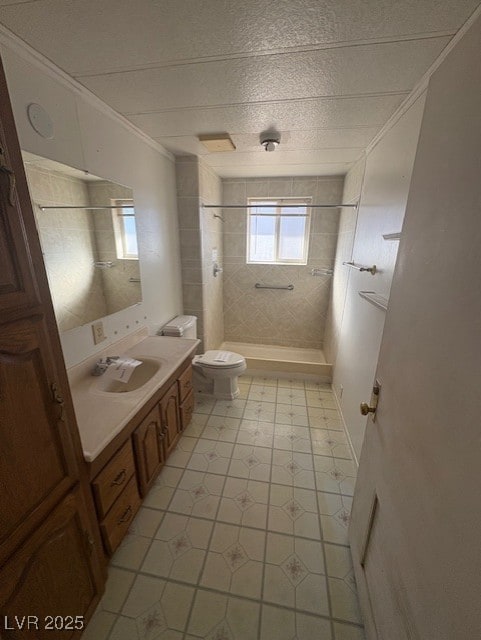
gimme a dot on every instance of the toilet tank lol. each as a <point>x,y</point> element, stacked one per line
<point>181,327</point>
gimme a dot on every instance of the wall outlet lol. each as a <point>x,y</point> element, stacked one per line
<point>98,331</point>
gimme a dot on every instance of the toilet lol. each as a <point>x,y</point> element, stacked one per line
<point>215,372</point>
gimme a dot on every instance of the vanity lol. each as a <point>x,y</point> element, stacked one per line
<point>129,429</point>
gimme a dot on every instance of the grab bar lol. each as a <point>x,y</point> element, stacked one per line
<point>290,287</point>
<point>372,270</point>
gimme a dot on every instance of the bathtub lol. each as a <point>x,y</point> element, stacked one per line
<point>272,360</point>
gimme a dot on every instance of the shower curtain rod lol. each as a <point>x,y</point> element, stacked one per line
<point>72,206</point>
<point>275,206</point>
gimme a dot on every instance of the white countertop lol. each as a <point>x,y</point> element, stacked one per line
<point>102,415</point>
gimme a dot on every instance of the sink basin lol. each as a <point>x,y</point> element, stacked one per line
<point>141,375</point>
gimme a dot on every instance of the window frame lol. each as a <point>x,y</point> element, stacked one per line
<point>118,216</point>
<point>280,202</point>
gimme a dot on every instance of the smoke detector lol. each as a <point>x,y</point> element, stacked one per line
<point>270,144</point>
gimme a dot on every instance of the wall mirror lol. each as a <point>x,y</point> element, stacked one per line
<point>89,243</point>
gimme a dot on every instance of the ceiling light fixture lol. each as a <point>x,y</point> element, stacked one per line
<point>270,144</point>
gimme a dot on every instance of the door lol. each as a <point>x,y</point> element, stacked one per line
<point>169,411</point>
<point>416,520</point>
<point>38,582</point>
<point>38,460</point>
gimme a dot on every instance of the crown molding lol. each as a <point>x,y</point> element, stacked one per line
<point>43,64</point>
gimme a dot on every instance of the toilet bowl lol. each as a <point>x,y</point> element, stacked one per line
<point>217,373</point>
<point>214,372</point>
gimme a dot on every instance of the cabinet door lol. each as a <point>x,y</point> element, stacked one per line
<point>18,286</point>
<point>52,574</point>
<point>149,449</point>
<point>38,460</point>
<point>169,410</point>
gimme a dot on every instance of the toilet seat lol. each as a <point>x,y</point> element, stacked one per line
<point>216,359</point>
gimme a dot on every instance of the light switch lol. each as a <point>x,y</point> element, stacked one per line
<point>98,331</point>
<point>215,255</point>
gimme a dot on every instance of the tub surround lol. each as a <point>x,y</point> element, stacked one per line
<point>274,317</point>
<point>101,415</point>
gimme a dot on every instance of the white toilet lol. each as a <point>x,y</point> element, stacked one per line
<point>215,372</point>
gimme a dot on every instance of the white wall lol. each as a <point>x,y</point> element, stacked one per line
<point>387,177</point>
<point>88,136</point>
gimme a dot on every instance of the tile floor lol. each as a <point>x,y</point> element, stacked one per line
<point>244,534</point>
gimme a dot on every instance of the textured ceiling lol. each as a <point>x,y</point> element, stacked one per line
<point>325,74</point>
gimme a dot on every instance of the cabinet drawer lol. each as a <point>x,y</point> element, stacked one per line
<point>117,522</point>
<point>113,478</point>
<point>186,410</point>
<point>185,383</point>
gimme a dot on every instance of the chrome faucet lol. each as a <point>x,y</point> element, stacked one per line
<point>102,365</point>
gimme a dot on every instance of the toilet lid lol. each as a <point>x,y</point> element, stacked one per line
<point>220,359</point>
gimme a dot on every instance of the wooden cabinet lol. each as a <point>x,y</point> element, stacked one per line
<point>169,414</point>
<point>49,537</point>
<point>113,479</point>
<point>53,573</point>
<point>149,449</point>
<point>186,411</point>
<point>117,522</point>
<point>131,463</point>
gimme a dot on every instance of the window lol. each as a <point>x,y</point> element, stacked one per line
<point>123,218</point>
<point>278,230</point>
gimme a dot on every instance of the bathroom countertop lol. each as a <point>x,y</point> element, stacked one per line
<point>102,415</point>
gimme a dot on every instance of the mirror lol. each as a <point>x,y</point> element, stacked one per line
<point>89,243</point>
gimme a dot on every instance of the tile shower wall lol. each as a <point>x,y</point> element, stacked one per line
<point>119,291</point>
<point>188,207</point>
<point>212,243</point>
<point>200,235</point>
<point>68,245</point>
<point>288,318</point>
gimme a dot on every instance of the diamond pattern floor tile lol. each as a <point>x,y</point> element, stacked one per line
<point>243,535</point>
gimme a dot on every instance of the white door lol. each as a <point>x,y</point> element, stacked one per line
<point>416,522</point>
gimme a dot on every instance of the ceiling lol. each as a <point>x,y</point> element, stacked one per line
<point>325,74</point>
